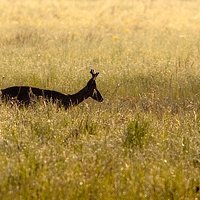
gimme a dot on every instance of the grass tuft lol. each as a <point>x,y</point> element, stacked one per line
<point>142,142</point>
<point>136,133</point>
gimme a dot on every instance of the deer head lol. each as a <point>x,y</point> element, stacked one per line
<point>91,85</point>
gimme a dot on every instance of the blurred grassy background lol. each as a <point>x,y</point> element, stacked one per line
<point>142,142</point>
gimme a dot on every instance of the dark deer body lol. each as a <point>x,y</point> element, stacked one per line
<point>24,95</point>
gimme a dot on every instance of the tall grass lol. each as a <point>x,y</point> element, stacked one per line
<point>142,142</point>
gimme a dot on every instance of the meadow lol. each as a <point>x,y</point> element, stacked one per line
<point>143,140</point>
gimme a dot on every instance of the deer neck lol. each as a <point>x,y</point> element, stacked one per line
<point>79,96</point>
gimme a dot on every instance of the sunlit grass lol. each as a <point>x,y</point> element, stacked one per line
<point>142,142</point>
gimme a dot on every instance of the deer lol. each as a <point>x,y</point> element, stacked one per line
<point>24,95</point>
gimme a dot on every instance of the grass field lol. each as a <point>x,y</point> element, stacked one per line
<point>143,141</point>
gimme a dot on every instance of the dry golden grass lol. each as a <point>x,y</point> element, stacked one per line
<point>142,142</point>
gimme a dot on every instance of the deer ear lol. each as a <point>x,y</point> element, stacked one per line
<point>92,71</point>
<point>94,75</point>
